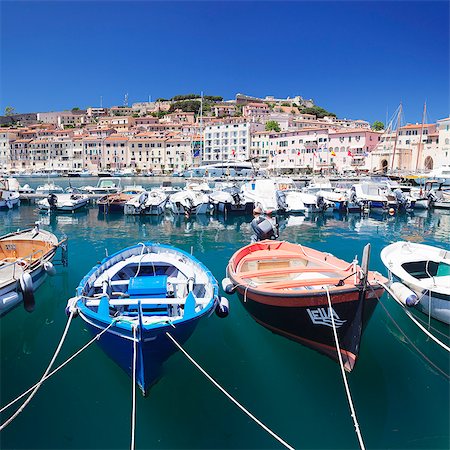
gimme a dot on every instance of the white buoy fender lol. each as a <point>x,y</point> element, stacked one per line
<point>228,286</point>
<point>26,286</point>
<point>404,294</point>
<point>222,307</point>
<point>49,268</point>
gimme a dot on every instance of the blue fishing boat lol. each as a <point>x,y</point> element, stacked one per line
<point>140,294</point>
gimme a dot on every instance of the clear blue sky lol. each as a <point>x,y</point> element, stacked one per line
<point>357,59</point>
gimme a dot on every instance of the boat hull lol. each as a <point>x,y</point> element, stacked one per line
<point>153,348</point>
<point>307,319</point>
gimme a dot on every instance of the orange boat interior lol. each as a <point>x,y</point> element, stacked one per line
<point>271,265</point>
<point>26,249</point>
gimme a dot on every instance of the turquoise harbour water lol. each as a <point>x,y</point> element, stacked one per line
<point>401,401</point>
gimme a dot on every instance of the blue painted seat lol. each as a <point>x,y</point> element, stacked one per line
<point>152,286</point>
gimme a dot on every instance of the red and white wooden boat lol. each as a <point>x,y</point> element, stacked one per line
<point>284,288</point>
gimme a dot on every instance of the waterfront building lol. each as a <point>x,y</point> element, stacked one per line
<point>179,153</point>
<point>228,141</point>
<point>92,153</point>
<point>412,148</point>
<point>147,152</point>
<point>351,148</point>
<point>115,155</point>
<point>443,130</point>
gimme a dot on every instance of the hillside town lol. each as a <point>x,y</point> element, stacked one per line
<point>169,136</point>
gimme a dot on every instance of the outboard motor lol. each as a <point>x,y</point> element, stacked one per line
<point>52,201</point>
<point>236,198</point>
<point>281,200</point>
<point>264,228</point>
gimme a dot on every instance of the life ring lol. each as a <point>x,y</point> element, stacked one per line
<point>26,286</point>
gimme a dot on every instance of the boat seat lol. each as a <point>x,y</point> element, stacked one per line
<point>149,301</point>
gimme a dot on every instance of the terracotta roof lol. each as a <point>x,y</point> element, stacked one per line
<point>116,137</point>
<point>417,125</point>
<point>259,105</point>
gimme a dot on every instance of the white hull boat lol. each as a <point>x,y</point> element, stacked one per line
<point>262,194</point>
<point>49,188</point>
<point>63,202</point>
<point>425,270</point>
<point>229,199</point>
<point>152,203</point>
<point>189,202</point>
<point>25,261</point>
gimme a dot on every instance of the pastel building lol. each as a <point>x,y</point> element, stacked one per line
<point>351,149</point>
<point>115,154</point>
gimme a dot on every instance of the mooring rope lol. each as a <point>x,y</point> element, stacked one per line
<point>344,377</point>
<point>218,386</point>
<point>95,338</point>
<point>39,384</point>
<point>430,335</point>
<point>133,408</point>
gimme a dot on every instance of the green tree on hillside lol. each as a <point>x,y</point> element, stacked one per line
<point>272,125</point>
<point>317,111</point>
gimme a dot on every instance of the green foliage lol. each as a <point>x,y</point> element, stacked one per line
<point>159,114</point>
<point>135,115</point>
<point>378,126</point>
<point>9,111</point>
<point>76,108</point>
<point>178,98</point>
<point>186,106</point>
<point>285,104</point>
<point>272,125</point>
<point>317,111</point>
<point>213,98</point>
<point>162,99</point>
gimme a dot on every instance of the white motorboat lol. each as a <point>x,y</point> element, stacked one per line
<point>262,193</point>
<point>49,188</point>
<point>189,202</point>
<point>369,195</point>
<point>63,202</point>
<point>105,185</point>
<point>439,198</point>
<point>228,198</point>
<point>9,195</point>
<point>151,203</point>
<point>425,270</point>
<point>25,260</point>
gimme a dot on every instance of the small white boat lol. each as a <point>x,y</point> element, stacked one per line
<point>63,202</point>
<point>189,202</point>
<point>25,261</point>
<point>227,198</point>
<point>262,193</point>
<point>425,270</point>
<point>9,195</point>
<point>151,203</point>
<point>49,188</point>
<point>439,198</point>
<point>105,185</point>
<point>369,196</point>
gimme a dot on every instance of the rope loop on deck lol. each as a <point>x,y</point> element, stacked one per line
<point>344,377</point>
<point>218,386</point>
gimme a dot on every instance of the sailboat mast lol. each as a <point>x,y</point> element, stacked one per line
<point>419,145</point>
<point>396,136</point>
<point>201,127</point>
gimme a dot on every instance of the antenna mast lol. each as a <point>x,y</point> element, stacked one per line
<point>419,145</point>
<point>125,100</point>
